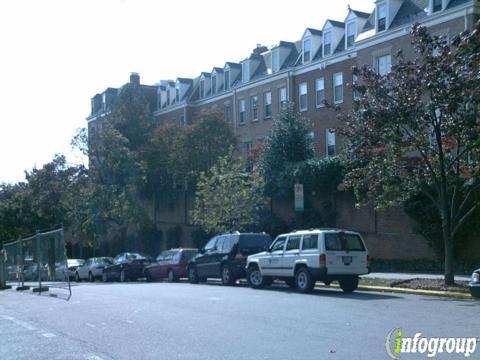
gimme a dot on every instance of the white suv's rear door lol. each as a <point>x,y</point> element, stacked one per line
<point>345,253</point>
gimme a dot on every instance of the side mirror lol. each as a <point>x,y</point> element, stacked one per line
<point>202,251</point>
<point>268,249</point>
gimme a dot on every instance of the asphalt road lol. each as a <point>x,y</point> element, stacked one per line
<point>210,322</point>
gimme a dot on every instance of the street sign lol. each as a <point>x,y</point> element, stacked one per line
<point>298,190</point>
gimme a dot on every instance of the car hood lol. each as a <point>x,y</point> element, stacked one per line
<point>254,256</point>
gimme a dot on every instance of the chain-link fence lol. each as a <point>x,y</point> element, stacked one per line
<point>39,262</point>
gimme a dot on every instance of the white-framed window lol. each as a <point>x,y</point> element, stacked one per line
<point>383,64</point>
<point>351,34</point>
<point>214,84</point>
<point>254,106</point>
<point>320,92</point>
<point>245,71</point>
<point>382,17</point>
<point>330,142</point>
<point>241,111</point>
<point>177,95</point>
<point>275,60</point>
<point>226,78</point>
<point>302,97</point>
<point>338,88</point>
<point>437,5</point>
<point>202,89</point>
<point>282,98</point>
<point>267,104</point>
<point>307,49</point>
<point>327,43</point>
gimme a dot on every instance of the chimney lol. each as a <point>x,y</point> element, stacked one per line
<point>134,78</point>
<point>260,49</point>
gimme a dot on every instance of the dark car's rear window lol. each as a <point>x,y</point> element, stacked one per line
<point>343,242</point>
<point>254,241</point>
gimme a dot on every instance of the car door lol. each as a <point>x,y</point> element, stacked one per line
<point>291,255</point>
<point>83,270</point>
<point>203,260</point>
<point>271,263</point>
<point>217,256</point>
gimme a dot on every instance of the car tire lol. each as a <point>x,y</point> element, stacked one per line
<point>290,283</point>
<point>255,278</point>
<point>304,280</point>
<point>171,276</point>
<point>91,278</point>
<point>193,275</point>
<point>123,277</point>
<point>475,292</point>
<point>348,284</point>
<point>77,278</point>
<point>104,277</point>
<point>227,276</point>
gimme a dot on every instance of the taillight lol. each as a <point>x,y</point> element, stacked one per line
<point>239,257</point>
<point>323,260</point>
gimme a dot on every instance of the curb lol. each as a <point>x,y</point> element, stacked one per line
<point>444,294</point>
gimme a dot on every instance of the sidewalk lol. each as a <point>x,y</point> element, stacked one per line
<point>405,276</point>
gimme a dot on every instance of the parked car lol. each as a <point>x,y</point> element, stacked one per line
<point>301,258</point>
<point>224,256</point>
<point>62,271</point>
<point>92,269</point>
<point>171,264</point>
<point>126,266</point>
<point>30,272</point>
<point>475,284</point>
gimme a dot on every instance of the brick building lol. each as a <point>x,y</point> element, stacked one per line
<point>309,72</point>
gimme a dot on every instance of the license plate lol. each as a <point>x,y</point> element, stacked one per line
<point>347,260</point>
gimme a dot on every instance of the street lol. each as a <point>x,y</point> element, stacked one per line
<point>209,322</point>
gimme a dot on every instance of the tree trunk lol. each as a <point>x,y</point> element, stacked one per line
<point>447,241</point>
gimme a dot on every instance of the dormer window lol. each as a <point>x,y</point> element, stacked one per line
<point>275,60</point>
<point>214,84</point>
<point>382,17</point>
<point>168,97</point>
<point>202,89</point>
<point>437,5</point>
<point>327,43</point>
<point>351,34</point>
<point>307,50</point>
<point>177,94</point>
<point>227,79</point>
<point>245,71</point>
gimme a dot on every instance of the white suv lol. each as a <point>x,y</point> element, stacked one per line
<point>301,258</point>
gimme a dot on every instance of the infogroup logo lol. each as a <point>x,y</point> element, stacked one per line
<point>397,343</point>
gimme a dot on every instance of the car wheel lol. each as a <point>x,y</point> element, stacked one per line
<point>104,277</point>
<point>475,292</point>
<point>303,280</point>
<point>349,284</point>
<point>227,276</point>
<point>255,278</point>
<point>123,278</point>
<point>192,275</point>
<point>171,276</point>
<point>77,278</point>
<point>290,283</point>
<point>90,277</point>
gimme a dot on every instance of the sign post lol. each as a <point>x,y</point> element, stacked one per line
<point>299,203</point>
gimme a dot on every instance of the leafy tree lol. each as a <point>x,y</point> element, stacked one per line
<point>288,144</point>
<point>227,198</point>
<point>416,130</point>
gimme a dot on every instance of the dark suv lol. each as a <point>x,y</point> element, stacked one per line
<point>225,257</point>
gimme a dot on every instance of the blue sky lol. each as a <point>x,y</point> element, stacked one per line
<point>56,54</point>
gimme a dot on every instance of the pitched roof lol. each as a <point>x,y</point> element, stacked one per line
<point>361,14</point>
<point>336,23</point>
<point>313,32</point>
<point>410,11</point>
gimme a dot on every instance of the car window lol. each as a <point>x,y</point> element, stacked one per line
<point>211,244</point>
<point>221,242</point>
<point>310,242</point>
<point>343,242</point>
<point>293,243</point>
<point>278,245</point>
<point>188,255</point>
<point>255,241</point>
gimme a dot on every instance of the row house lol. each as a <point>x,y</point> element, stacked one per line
<point>311,72</point>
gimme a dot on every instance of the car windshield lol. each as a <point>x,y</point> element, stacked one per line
<point>105,261</point>
<point>343,242</point>
<point>255,241</point>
